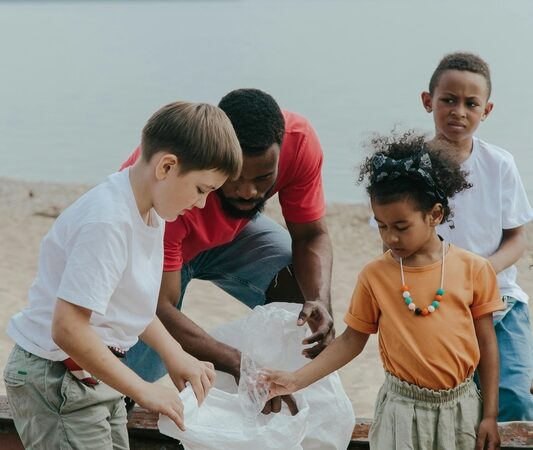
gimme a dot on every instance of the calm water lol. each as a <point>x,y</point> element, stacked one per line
<point>79,79</point>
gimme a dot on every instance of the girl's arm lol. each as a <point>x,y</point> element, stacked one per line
<point>181,366</point>
<point>488,370</point>
<point>72,332</point>
<point>337,354</point>
<point>510,250</point>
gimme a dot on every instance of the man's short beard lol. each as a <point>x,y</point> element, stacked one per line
<point>231,210</point>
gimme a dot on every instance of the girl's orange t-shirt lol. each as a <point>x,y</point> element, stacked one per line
<point>437,351</point>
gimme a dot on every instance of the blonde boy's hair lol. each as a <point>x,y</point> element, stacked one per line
<point>199,134</point>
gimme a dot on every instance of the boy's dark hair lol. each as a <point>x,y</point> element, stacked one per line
<point>446,175</point>
<point>461,61</point>
<point>200,135</point>
<point>256,118</point>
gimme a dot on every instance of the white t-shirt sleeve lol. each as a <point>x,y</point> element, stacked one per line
<point>96,258</point>
<point>516,208</point>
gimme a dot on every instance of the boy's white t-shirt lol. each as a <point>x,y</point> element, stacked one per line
<point>100,255</point>
<point>496,201</point>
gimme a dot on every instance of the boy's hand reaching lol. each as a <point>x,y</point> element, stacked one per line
<point>186,368</point>
<point>163,400</point>
<point>488,437</point>
<point>281,383</point>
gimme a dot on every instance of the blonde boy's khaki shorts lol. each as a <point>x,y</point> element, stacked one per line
<point>53,410</point>
<point>410,417</point>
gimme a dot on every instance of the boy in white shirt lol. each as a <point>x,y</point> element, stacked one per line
<point>490,217</point>
<point>97,285</point>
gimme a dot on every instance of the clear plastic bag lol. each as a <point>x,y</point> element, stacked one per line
<point>219,424</point>
<point>271,338</point>
<point>229,419</point>
<point>253,389</point>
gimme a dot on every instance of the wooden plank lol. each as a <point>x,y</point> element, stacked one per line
<point>142,428</point>
<point>513,435</point>
<point>9,439</point>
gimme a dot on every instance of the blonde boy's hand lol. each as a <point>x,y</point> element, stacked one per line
<point>487,435</point>
<point>200,374</point>
<point>163,400</point>
<point>281,383</point>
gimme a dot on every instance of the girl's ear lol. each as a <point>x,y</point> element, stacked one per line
<point>436,215</point>
<point>165,164</point>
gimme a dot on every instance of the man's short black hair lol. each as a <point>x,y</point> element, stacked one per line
<point>256,118</point>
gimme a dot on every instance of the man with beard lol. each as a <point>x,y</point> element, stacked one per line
<point>242,251</point>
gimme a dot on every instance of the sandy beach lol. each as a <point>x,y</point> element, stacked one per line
<point>28,210</point>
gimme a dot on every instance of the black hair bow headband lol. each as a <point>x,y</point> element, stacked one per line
<point>417,167</point>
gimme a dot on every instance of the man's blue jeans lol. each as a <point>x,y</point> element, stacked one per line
<point>513,332</point>
<point>244,268</point>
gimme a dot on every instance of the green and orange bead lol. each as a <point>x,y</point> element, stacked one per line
<point>421,311</point>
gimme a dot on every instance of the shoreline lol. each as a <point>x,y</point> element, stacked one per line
<point>29,209</point>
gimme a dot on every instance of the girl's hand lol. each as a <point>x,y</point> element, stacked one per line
<point>200,374</point>
<point>163,400</point>
<point>281,383</point>
<point>487,435</point>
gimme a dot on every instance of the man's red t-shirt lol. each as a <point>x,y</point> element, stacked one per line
<point>299,184</point>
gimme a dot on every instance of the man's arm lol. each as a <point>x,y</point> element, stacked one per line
<point>312,260</point>
<point>197,342</point>
<point>510,250</point>
<point>192,338</point>
<point>182,367</point>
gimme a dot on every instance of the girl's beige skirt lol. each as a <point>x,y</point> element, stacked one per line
<point>408,417</point>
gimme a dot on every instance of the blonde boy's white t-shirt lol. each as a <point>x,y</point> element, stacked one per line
<point>497,201</point>
<point>100,255</point>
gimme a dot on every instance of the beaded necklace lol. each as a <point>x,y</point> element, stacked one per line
<point>438,295</point>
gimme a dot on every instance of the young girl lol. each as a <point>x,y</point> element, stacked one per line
<point>431,303</point>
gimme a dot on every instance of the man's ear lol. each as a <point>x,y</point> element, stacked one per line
<point>427,101</point>
<point>166,164</point>
<point>487,110</point>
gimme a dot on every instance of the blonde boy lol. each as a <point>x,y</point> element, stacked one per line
<point>97,286</point>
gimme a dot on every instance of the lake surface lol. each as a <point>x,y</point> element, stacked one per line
<point>79,79</point>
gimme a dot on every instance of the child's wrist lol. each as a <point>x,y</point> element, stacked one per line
<point>490,417</point>
<point>171,353</point>
<point>135,389</point>
<point>299,379</point>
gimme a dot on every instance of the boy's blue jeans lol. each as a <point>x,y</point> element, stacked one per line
<point>513,332</point>
<point>244,268</point>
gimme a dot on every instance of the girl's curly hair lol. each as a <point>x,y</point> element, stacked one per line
<point>446,173</point>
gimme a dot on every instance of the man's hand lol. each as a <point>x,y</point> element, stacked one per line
<point>488,437</point>
<point>186,368</point>
<point>321,324</point>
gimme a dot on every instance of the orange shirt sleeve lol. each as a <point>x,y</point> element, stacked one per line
<point>486,293</point>
<point>363,312</point>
